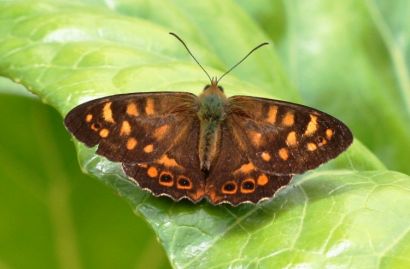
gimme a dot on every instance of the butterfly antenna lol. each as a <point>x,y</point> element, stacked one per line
<point>243,59</point>
<point>190,53</point>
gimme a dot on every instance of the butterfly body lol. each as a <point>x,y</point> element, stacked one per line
<point>211,113</point>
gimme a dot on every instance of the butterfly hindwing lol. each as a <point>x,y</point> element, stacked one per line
<point>286,138</point>
<point>132,128</point>
<point>176,173</point>
<point>234,178</point>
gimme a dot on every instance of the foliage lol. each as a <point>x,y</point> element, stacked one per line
<point>53,215</point>
<point>350,213</point>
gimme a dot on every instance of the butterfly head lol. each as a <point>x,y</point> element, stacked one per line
<point>212,101</point>
<point>213,87</point>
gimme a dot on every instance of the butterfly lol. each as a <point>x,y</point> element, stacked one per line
<point>234,150</point>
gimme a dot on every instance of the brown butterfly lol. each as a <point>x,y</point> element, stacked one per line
<point>228,150</point>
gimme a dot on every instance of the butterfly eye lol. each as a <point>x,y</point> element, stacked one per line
<point>220,88</point>
<point>206,87</point>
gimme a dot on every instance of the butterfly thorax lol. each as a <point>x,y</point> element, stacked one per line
<point>211,114</point>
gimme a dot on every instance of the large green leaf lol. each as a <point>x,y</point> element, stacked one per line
<point>355,51</point>
<point>52,215</point>
<point>338,215</point>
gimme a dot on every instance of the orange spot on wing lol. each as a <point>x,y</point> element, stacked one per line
<point>149,106</point>
<point>149,148</point>
<point>255,138</point>
<point>288,119</point>
<point>262,180</point>
<point>311,128</point>
<point>329,133</point>
<point>125,128</point>
<point>311,146</point>
<point>107,113</point>
<point>283,154</point>
<point>291,139</point>
<point>89,117</point>
<point>273,111</point>
<point>132,110</point>
<point>104,133</point>
<point>131,143</point>
<point>266,156</point>
<point>152,172</point>
<point>160,132</point>
<point>166,161</point>
<point>246,168</point>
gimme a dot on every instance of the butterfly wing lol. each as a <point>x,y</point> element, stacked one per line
<point>177,172</point>
<point>264,142</point>
<point>132,128</point>
<point>286,138</point>
<point>234,178</point>
<point>148,133</point>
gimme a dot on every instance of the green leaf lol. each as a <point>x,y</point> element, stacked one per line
<point>329,219</point>
<point>355,51</point>
<point>52,215</point>
<point>68,52</point>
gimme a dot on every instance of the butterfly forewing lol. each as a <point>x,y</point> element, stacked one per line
<point>286,138</point>
<point>132,128</point>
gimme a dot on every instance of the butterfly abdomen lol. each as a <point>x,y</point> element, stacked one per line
<point>211,114</point>
<point>209,133</point>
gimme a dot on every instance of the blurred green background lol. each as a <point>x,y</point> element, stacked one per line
<point>52,215</point>
<point>348,58</point>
